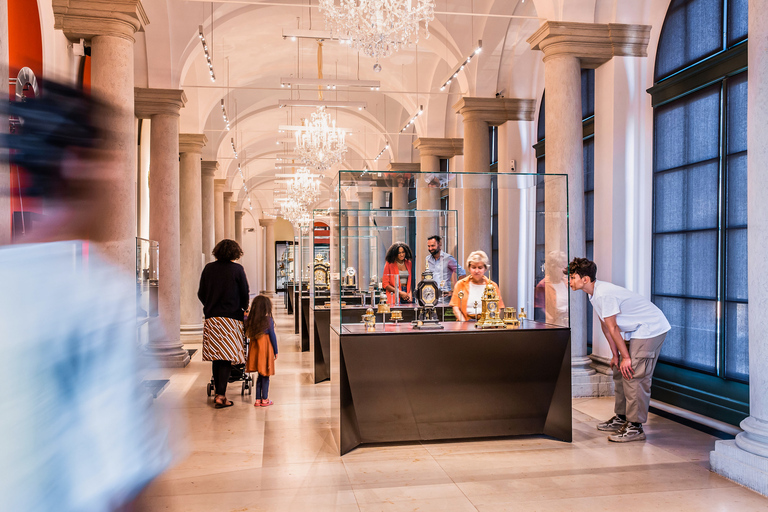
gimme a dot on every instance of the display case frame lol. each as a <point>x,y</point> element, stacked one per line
<point>394,383</point>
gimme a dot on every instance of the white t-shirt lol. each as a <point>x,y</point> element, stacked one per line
<point>475,295</point>
<point>636,316</point>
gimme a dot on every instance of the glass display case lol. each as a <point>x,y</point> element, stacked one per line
<point>519,221</point>
<point>284,266</point>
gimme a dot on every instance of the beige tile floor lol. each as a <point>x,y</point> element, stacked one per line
<point>284,458</point>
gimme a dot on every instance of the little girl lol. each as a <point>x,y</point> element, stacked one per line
<point>260,330</point>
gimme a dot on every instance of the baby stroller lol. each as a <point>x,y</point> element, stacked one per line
<point>238,373</point>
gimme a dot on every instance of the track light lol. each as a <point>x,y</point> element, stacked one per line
<point>205,50</point>
<point>461,66</point>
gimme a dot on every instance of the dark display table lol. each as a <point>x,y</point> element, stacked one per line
<point>296,310</point>
<point>397,384</point>
<point>305,323</point>
<point>289,298</point>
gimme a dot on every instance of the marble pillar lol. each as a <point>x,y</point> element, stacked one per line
<point>111,36</point>
<point>191,230</point>
<point>239,227</point>
<point>269,256</point>
<point>568,47</point>
<point>745,459</point>
<point>162,107</point>
<point>364,241</point>
<point>400,198</point>
<point>428,192</point>
<point>352,245</point>
<point>219,185</point>
<point>226,213</point>
<point>382,231</point>
<point>478,114</point>
<point>232,208</point>
<point>208,205</point>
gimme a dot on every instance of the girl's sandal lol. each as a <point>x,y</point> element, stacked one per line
<point>257,403</point>
<point>266,403</point>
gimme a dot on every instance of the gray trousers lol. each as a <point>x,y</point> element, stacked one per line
<point>633,396</point>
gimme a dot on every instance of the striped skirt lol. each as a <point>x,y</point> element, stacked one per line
<point>223,340</point>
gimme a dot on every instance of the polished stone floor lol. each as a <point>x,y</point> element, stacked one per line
<point>283,458</point>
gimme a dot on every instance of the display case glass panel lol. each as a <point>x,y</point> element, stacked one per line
<point>532,232</point>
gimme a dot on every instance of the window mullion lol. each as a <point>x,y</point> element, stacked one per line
<point>721,224</point>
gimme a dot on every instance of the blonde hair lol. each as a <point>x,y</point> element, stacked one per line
<point>478,257</point>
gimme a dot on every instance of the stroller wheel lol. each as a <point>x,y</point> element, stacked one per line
<point>210,389</point>
<point>243,388</point>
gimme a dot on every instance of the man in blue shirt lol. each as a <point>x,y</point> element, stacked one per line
<point>442,265</point>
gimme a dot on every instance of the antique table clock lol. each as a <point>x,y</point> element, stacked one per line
<point>427,294</point>
<point>321,273</point>
<point>490,316</point>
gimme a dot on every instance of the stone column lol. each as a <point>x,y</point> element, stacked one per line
<point>226,214</point>
<point>191,229</point>
<point>364,246</point>
<point>400,198</point>
<point>567,47</point>
<point>478,115</point>
<point>162,107</point>
<point>269,256</point>
<point>745,459</point>
<point>431,150</point>
<point>110,33</point>
<point>208,205</point>
<point>353,254</point>
<point>232,208</point>
<point>382,232</point>
<point>218,210</point>
<point>239,227</point>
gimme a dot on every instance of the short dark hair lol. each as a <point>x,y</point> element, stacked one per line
<point>227,250</point>
<point>582,267</point>
<point>391,256</point>
<point>436,238</point>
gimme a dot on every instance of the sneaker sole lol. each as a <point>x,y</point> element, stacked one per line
<point>616,439</point>
<point>609,429</point>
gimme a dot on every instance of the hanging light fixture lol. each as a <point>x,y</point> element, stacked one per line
<point>319,143</point>
<point>378,28</point>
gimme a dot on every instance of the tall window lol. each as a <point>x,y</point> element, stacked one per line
<point>493,140</point>
<point>700,206</point>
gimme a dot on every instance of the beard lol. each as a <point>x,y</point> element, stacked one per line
<point>434,252</point>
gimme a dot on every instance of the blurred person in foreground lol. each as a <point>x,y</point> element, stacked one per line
<point>78,430</point>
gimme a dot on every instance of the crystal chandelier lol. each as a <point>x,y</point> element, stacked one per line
<point>378,28</point>
<point>318,142</point>
<point>304,187</point>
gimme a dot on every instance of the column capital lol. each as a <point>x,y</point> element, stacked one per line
<point>150,102</point>
<point>239,214</point>
<point>192,142</point>
<point>209,168</point>
<point>85,19</point>
<point>228,196</point>
<point>592,43</point>
<point>495,111</point>
<point>440,147</point>
<point>404,167</point>
<point>265,223</point>
<point>220,184</point>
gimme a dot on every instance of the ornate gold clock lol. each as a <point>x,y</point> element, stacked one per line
<point>490,317</point>
<point>321,272</point>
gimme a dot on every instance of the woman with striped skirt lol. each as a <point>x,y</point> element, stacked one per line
<point>224,294</point>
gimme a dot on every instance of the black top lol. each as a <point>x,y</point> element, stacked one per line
<point>223,290</point>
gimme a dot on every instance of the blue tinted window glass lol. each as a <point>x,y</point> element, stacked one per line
<point>686,198</point>
<point>737,113</point>
<point>686,264</point>
<point>587,93</point>
<point>737,21</point>
<point>692,341</point>
<point>737,341</point>
<point>540,124</point>
<point>692,30</point>
<point>736,264</point>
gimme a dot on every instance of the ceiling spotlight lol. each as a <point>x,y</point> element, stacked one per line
<point>461,66</point>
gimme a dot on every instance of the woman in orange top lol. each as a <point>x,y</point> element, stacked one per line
<point>396,277</point>
<point>471,287</point>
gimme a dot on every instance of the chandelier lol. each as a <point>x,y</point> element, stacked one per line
<point>304,187</point>
<point>378,28</point>
<point>318,142</point>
